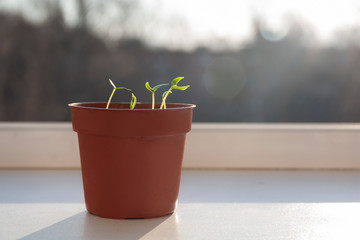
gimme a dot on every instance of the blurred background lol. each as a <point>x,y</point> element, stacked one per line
<point>246,61</point>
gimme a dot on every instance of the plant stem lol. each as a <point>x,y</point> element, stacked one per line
<point>133,102</point>
<point>107,106</point>
<point>153,100</point>
<point>163,104</point>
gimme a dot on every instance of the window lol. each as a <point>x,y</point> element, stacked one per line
<point>246,61</point>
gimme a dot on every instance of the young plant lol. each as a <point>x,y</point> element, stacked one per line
<point>133,101</point>
<point>112,94</point>
<point>174,85</point>
<point>152,90</point>
<point>163,96</point>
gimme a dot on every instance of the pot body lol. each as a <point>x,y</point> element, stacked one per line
<point>131,159</point>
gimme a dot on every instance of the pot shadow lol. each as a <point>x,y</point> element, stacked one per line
<point>87,226</point>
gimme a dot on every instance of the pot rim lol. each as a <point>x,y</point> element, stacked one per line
<point>169,106</point>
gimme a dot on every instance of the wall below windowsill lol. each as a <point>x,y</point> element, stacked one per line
<point>208,145</point>
<point>49,204</point>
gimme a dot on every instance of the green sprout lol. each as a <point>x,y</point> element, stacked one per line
<point>163,96</point>
<point>152,90</point>
<point>174,85</point>
<point>133,101</point>
<point>114,89</point>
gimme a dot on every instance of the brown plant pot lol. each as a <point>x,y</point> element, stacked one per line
<point>131,159</point>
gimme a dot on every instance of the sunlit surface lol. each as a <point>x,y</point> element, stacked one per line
<point>248,221</point>
<point>248,205</point>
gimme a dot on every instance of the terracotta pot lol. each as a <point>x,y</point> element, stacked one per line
<point>131,159</point>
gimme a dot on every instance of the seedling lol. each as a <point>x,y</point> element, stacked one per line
<point>112,94</point>
<point>163,95</point>
<point>133,101</point>
<point>174,85</point>
<point>153,90</point>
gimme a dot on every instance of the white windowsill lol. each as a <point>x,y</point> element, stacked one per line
<point>213,204</point>
<point>49,204</point>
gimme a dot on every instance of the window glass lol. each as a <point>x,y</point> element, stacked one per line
<point>246,61</point>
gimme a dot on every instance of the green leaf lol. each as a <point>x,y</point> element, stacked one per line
<point>182,88</point>
<point>123,88</point>
<point>112,83</point>
<point>147,85</point>
<point>175,81</point>
<point>154,88</point>
<point>133,101</point>
<point>159,86</point>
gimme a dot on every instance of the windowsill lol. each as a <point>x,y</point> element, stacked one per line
<point>49,204</point>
